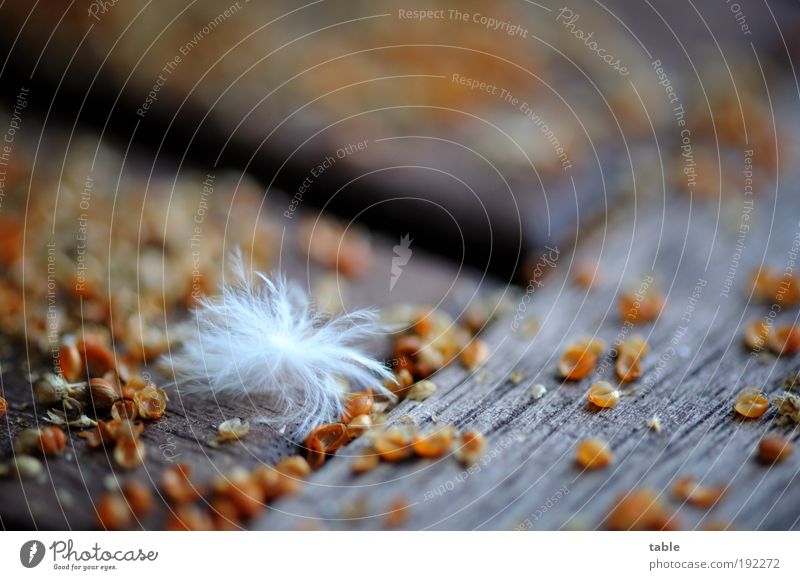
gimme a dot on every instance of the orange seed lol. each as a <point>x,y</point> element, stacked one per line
<point>594,453</point>
<point>604,395</point>
<point>751,403</point>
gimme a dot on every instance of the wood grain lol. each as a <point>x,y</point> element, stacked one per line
<point>528,478</point>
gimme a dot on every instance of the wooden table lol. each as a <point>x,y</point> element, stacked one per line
<point>529,477</point>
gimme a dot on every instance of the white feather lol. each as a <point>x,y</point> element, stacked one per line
<point>262,339</point>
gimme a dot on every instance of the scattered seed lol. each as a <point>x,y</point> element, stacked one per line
<point>294,466</point>
<point>590,344</point>
<point>27,440</point>
<point>593,453</point>
<point>359,404</point>
<point>785,340</point>
<point>635,345</point>
<point>516,377</point>
<point>688,490</point>
<point>604,395</point>
<point>52,441</point>
<point>102,394</point>
<point>770,285</point>
<point>139,497</point>
<point>434,444</point>
<point>25,467</point>
<point>587,275</point>
<point>315,452</point>
<point>393,444</point>
<point>538,391</point>
<point>404,381</point>
<point>124,410</point>
<point>399,511</point>
<point>751,403</point>
<point>792,382</point>
<point>151,402</point>
<point>628,367</point>
<point>113,512</point>
<point>640,510</point>
<point>576,363</point>
<point>177,485</point>
<point>269,480</point>
<point>96,355</point>
<point>773,449</point>
<point>243,491</point>
<point>365,462</point>
<point>50,389</point>
<point>654,423</point>
<point>640,308</point>
<point>233,429</point>
<point>129,453</point>
<point>70,362</point>
<point>474,354</point>
<point>331,436</point>
<point>3,406</point>
<point>225,514</point>
<point>421,390</point>
<point>358,426</point>
<point>788,406</point>
<point>757,335</point>
<point>470,447</point>
<point>189,517</point>
<point>124,429</point>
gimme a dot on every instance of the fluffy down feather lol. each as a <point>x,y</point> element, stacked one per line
<point>262,339</point>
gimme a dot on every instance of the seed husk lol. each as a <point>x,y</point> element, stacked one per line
<point>421,390</point>
<point>788,406</point>
<point>151,402</point>
<point>233,429</point>
<point>102,393</point>
<point>359,425</point>
<point>129,453</point>
<point>124,410</point>
<point>359,404</point>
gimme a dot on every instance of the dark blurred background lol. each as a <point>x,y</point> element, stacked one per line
<point>484,131</point>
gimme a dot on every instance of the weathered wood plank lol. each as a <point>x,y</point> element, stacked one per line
<point>529,477</point>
